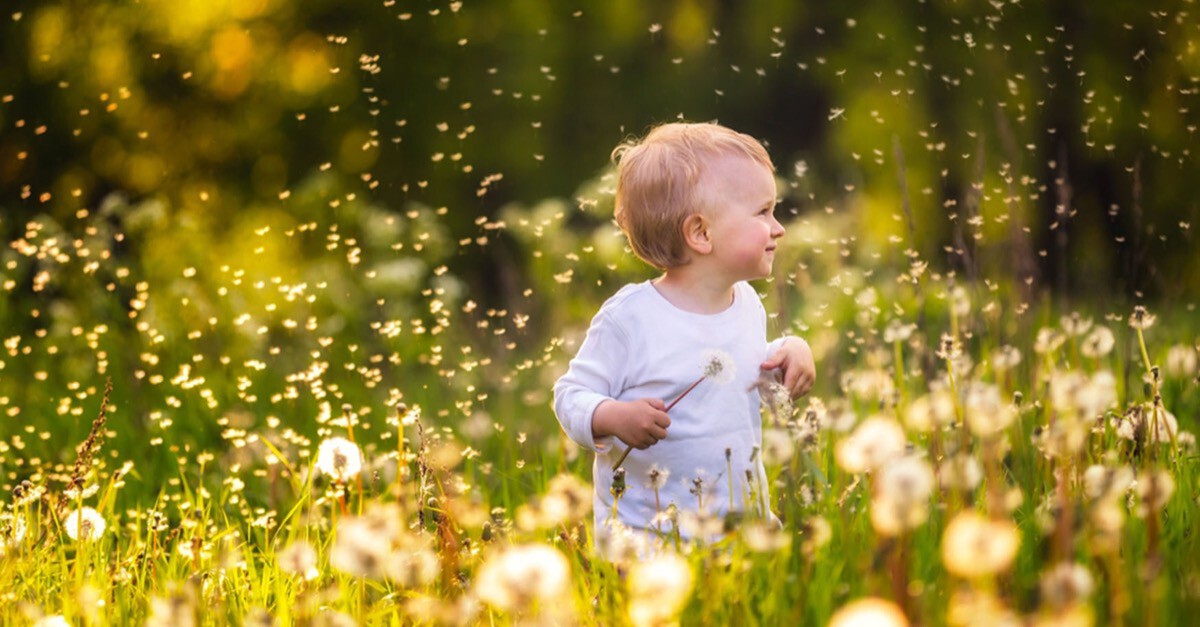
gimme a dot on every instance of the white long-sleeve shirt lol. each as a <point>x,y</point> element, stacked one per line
<point>639,346</point>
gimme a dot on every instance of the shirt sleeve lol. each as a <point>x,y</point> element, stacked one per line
<point>593,377</point>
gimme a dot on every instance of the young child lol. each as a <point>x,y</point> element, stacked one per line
<point>697,202</point>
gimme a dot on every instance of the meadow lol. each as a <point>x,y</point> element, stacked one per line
<point>329,430</point>
<point>285,287</point>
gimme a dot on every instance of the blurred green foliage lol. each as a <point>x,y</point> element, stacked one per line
<point>1058,131</point>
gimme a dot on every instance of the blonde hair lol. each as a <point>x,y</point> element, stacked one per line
<point>658,184</point>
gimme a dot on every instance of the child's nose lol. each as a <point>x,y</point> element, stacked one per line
<point>776,228</point>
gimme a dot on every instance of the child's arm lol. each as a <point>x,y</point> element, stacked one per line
<point>795,357</point>
<point>584,397</point>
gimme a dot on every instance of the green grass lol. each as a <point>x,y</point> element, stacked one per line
<point>223,388</point>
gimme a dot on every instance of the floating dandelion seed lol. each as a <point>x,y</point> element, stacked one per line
<point>715,364</point>
<point>85,524</point>
<point>339,458</point>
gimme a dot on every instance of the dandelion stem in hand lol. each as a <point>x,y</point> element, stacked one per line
<point>714,364</point>
<point>629,449</point>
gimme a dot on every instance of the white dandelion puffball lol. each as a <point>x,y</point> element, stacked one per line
<point>84,523</point>
<point>876,441</point>
<point>658,589</point>
<point>339,458</point>
<point>717,365</point>
<point>869,612</point>
<point>974,546</point>
<point>520,576</point>
<point>299,559</point>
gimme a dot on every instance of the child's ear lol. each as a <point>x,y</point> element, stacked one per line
<point>696,235</point>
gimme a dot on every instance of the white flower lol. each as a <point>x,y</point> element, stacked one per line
<point>517,577</point>
<point>874,442</point>
<point>84,524</point>
<point>718,366</point>
<point>55,620</point>
<point>658,589</point>
<point>869,612</point>
<point>340,459</point>
<point>973,546</point>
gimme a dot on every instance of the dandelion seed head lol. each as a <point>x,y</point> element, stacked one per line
<point>1098,343</point>
<point>901,499</point>
<point>974,546</point>
<point>339,459</point>
<point>299,559</point>
<point>872,444</point>
<point>869,612</point>
<point>777,446</point>
<point>986,413</point>
<point>1181,361</point>
<point>1066,584</point>
<point>718,366</point>
<point>657,477</point>
<point>515,578</point>
<point>931,411</point>
<point>1141,319</point>
<point>1154,490</point>
<point>658,589</point>
<point>83,524</point>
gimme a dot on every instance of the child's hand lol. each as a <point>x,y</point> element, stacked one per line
<point>640,424</point>
<point>799,370</point>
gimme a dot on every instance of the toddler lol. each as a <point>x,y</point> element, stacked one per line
<point>697,202</point>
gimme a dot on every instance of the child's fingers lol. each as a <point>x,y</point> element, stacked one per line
<point>656,403</point>
<point>662,420</point>
<point>658,433</point>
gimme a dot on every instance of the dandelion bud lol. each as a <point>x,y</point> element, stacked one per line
<point>618,483</point>
<point>1018,397</point>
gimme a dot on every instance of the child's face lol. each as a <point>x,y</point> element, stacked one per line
<point>740,205</point>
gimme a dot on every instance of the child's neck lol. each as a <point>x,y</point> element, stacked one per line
<point>695,291</point>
